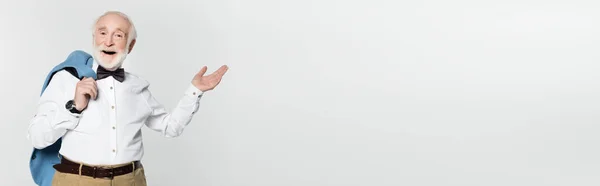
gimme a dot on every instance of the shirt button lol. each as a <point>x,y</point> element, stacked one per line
<point>194,93</point>
<point>112,107</point>
<point>114,150</point>
<point>114,128</point>
<point>111,88</point>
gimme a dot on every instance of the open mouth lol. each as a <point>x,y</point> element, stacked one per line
<point>108,52</point>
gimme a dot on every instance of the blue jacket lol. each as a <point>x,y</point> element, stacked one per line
<point>79,64</point>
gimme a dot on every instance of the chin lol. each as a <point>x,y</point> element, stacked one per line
<point>112,63</point>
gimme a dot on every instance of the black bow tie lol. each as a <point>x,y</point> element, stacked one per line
<point>118,74</point>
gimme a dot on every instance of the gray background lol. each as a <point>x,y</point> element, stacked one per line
<point>332,92</point>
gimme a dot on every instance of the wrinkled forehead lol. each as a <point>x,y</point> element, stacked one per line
<point>112,22</point>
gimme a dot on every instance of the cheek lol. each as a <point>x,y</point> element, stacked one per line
<point>120,46</point>
<point>98,40</point>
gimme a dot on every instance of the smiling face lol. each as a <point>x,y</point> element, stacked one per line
<point>112,40</point>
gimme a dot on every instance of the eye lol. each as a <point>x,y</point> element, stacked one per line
<point>120,35</point>
<point>102,33</point>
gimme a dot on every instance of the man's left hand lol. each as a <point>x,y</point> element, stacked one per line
<point>208,82</point>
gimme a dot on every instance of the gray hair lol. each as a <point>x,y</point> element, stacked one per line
<point>132,32</point>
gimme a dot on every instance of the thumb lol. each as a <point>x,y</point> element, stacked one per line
<point>202,71</point>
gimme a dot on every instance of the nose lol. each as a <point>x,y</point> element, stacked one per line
<point>108,42</point>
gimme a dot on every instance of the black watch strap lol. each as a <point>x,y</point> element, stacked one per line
<point>71,107</point>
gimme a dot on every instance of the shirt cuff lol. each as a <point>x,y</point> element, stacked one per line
<point>65,119</point>
<point>194,92</point>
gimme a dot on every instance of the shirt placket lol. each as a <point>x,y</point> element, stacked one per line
<point>113,118</point>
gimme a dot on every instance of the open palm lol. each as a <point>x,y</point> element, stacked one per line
<point>208,82</point>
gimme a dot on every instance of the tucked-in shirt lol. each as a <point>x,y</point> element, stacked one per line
<point>108,131</point>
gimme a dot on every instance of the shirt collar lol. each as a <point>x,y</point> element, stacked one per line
<point>95,66</point>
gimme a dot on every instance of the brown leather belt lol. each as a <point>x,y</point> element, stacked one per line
<point>67,166</point>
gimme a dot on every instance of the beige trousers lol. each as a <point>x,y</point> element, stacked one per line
<point>135,178</point>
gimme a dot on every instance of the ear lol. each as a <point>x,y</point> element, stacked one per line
<point>131,46</point>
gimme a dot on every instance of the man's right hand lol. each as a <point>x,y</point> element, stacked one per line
<point>85,89</point>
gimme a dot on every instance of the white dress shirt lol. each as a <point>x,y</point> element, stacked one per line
<point>108,131</point>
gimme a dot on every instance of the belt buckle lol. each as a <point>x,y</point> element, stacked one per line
<point>110,172</point>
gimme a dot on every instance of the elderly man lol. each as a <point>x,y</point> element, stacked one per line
<point>100,120</point>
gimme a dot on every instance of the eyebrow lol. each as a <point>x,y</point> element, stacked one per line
<point>104,28</point>
<point>121,31</point>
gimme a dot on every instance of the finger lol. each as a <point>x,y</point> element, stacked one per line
<point>219,72</point>
<point>222,70</point>
<point>95,91</point>
<point>89,91</point>
<point>92,81</point>
<point>219,81</point>
<point>202,71</point>
<point>95,84</point>
<point>82,90</point>
<point>86,92</point>
<point>86,80</point>
<point>89,80</point>
<point>89,84</point>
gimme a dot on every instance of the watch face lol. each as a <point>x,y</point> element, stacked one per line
<point>70,105</point>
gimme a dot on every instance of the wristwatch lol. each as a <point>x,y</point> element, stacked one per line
<point>71,107</point>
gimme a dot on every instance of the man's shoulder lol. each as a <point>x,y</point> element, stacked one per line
<point>64,75</point>
<point>133,77</point>
<point>60,79</point>
<point>138,83</point>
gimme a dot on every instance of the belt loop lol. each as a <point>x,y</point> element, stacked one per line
<point>133,171</point>
<point>80,166</point>
<point>111,174</point>
<point>94,174</point>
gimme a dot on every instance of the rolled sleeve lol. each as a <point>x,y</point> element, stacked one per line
<point>65,119</point>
